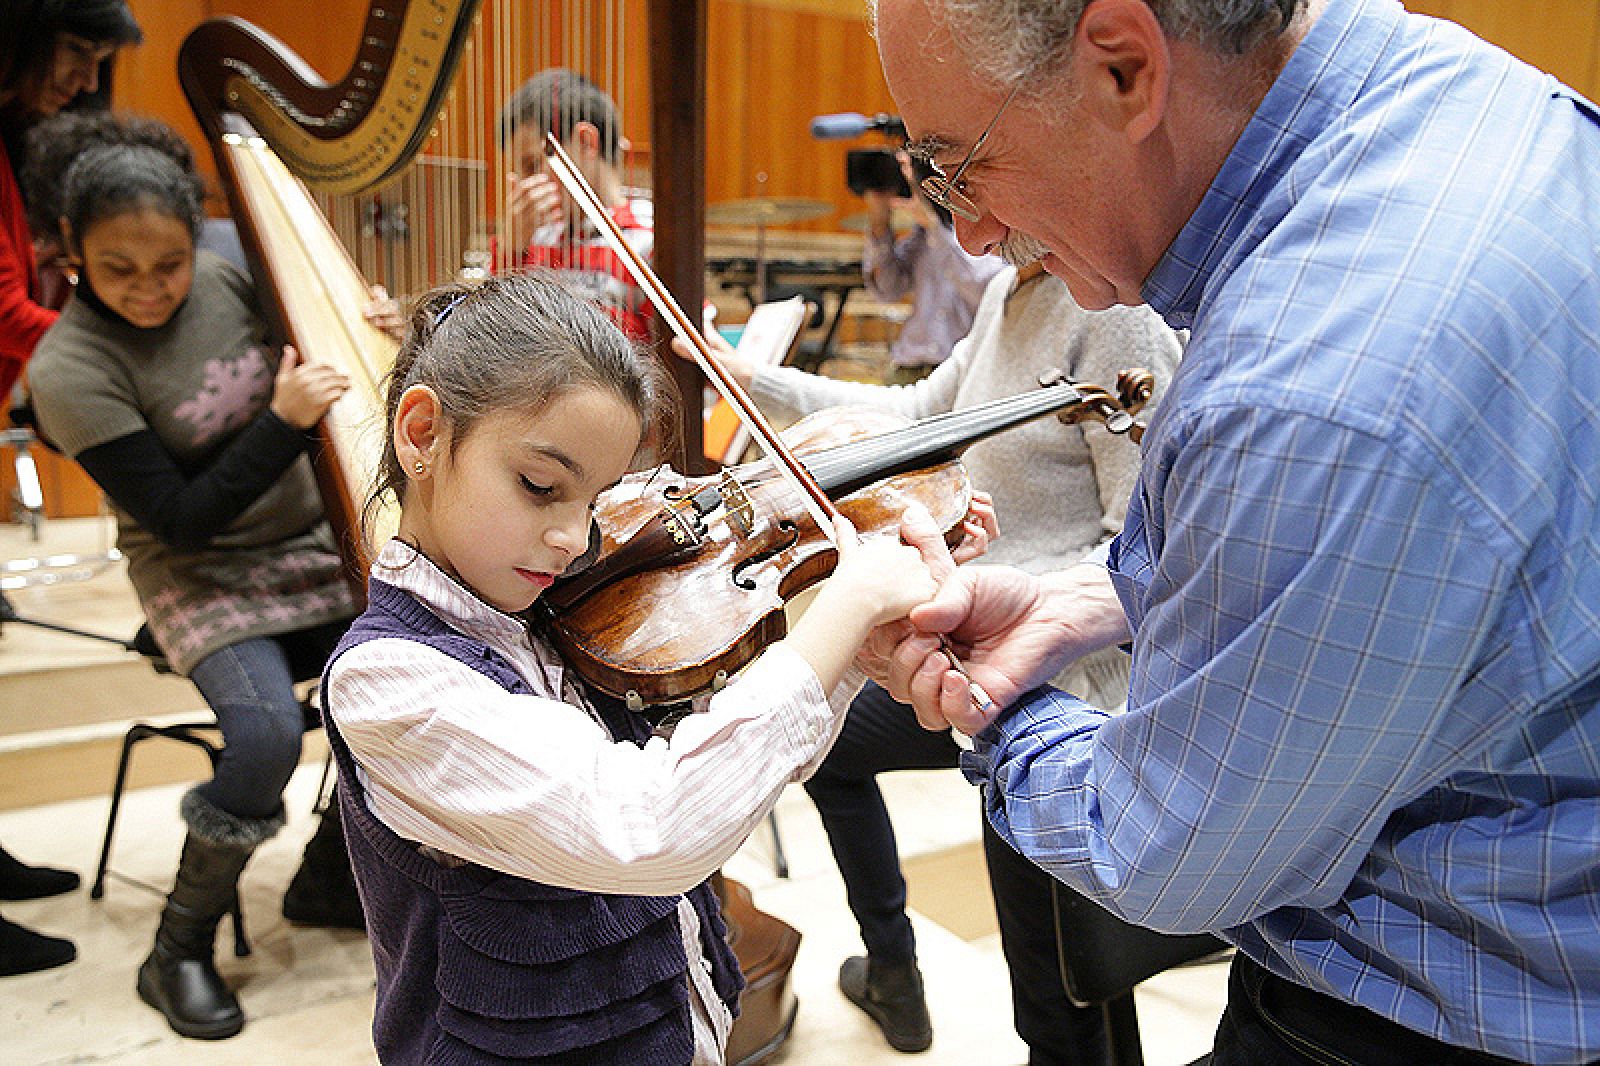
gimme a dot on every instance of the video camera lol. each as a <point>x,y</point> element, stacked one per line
<point>874,169</point>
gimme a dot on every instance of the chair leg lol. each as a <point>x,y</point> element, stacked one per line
<point>135,733</point>
<point>780,861</point>
<point>241,944</point>
<point>184,733</point>
<point>324,794</point>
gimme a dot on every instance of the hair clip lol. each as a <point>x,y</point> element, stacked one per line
<point>451,306</point>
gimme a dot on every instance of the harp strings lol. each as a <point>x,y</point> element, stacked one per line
<point>448,216</point>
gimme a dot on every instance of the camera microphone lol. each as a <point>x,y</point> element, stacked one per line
<point>848,124</point>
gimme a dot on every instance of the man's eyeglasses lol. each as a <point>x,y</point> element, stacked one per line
<point>950,192</point>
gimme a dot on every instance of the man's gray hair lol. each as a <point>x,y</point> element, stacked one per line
<point>1009,39</point>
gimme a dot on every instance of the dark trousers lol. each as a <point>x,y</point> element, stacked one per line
<point>250,688</point>
<point>880,735</point>
<point>1270,1020</point>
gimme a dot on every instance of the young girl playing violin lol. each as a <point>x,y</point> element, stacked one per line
<point>534,861</point>
<point>161,380</point>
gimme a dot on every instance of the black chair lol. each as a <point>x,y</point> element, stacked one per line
<point>1103,958</point>
<point>201,733</point>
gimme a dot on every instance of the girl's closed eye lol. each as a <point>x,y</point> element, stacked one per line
<point>537,490</point>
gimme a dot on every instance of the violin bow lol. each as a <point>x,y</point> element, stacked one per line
<point>816,501</point>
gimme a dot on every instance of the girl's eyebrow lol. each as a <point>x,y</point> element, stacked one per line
<point>546,452</point>
<point>112,254</point>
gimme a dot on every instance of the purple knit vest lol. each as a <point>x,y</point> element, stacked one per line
<point>479,966</point>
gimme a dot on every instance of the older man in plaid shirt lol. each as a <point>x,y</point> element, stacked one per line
<point>1360,572</point>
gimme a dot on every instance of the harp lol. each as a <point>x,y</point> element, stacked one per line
<point>384,175</point>
<point>390,175</point>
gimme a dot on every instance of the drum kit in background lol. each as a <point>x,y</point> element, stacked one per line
<point>760,212</point>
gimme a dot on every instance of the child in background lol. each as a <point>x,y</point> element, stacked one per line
<point>534,861</point>
<point>544,226</point>
<point>160,380</point>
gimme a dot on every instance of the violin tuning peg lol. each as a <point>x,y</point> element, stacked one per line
<point>1051,377</point>
<point>1135,386</point>
<point>1119,421</point>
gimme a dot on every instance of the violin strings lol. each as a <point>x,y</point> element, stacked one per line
<point>815,500</point>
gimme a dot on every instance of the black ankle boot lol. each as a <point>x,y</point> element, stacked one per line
<point>892,996</point>
<point>24,951</point>
<point>179,978</point>
<point>323,891</point>
<point>18,880</point>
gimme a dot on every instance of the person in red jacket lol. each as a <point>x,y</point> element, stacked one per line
<point>53,55</point>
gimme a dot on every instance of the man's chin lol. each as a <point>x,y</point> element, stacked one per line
<point>1096,296</point>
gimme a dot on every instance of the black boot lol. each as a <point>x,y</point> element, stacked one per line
<point>18,880</point>
<point>323,891</point>
<point>24,951</point>
<point>179,978</point>
<point>891,994</point>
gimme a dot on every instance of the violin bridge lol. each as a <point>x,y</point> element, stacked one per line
<point>736,505</point>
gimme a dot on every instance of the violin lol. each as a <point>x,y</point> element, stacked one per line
<point>693,573</point>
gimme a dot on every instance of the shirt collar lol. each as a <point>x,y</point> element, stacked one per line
<point>403,566</point>
<point>1310,95</point>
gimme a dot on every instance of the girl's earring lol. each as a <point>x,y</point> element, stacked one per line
<point>419,466</point>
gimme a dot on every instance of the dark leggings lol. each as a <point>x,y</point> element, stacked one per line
<point>250,688</point>
<point>880,735</point>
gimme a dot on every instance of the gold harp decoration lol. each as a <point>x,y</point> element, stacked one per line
<point>341,137</point>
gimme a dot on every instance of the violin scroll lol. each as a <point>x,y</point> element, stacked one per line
<point>1135,386</point>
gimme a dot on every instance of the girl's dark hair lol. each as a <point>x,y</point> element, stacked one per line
<point>113,179</point>
<point>34,26</point>
<point>517,342</point>
<point>55,143</point>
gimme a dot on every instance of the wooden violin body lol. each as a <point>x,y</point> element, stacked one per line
<point>693,573</point>
<point>664,633</point>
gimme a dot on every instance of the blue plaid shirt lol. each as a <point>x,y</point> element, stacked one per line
<point>1361,564</point>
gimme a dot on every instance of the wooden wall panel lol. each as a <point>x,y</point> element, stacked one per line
<point>1560,37</point>
<point>775,66</point>
<point>146,78</point>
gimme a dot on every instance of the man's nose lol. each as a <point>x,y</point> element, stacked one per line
<point>982,237</point>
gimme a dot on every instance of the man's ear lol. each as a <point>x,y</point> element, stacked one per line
<point>1123,66</point>
<point>418,431</point>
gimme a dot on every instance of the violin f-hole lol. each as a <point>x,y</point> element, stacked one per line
<point>791,537</point>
